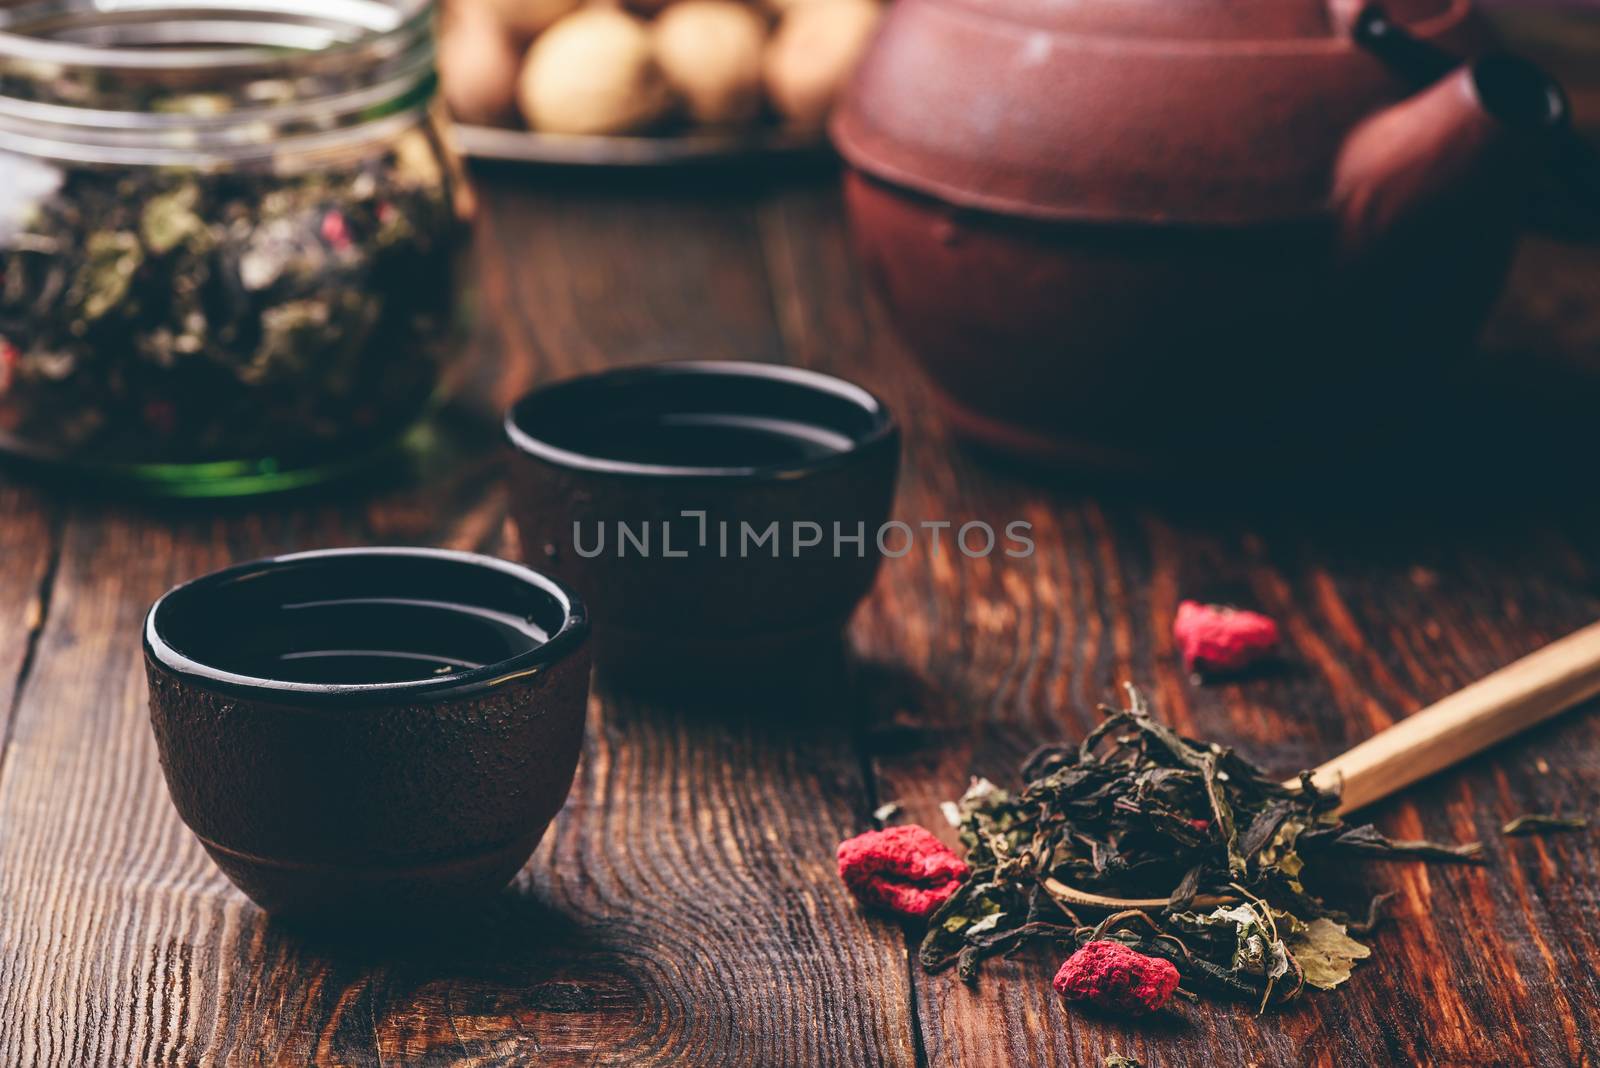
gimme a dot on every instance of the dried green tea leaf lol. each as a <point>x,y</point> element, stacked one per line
<point>169,220</point>
<point>1258,951</point>
<point>1280,854</point>
<point>1117,1060</point>
<point>1264,828</point>
<point>1374,913</point>
<point>988,923</point>
<point>963,918</point>
<point>1222,814</point>
<point>1326,953</point>
<point>1534,823</point>
<point>110,259</point>
<point>1368,839</point>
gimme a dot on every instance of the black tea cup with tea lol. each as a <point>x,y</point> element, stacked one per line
<point>723,518</point>
<point>364,730</point>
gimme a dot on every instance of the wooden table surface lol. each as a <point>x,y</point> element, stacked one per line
<point>684,909</point>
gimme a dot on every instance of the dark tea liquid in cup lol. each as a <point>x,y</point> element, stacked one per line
<point>361,640</point>
<point>707,439</point>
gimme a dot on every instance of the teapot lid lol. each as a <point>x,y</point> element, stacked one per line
<point>1210,112</point>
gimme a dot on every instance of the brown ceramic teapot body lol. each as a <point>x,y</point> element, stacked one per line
<point>1105,228</point>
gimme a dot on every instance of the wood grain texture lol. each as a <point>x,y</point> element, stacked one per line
<point>683,909</point>
<point>28,541</point>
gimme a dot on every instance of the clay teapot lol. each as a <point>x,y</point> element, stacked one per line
<point>1108,228</point>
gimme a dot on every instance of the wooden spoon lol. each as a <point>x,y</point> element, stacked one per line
<point>1529,691</point>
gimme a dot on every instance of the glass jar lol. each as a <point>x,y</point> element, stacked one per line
<point>228,237</point>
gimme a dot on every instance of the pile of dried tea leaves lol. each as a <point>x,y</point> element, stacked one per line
<point>1178,848</point>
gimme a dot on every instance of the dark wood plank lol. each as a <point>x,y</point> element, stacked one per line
<point>1385,609</point>
<point>28,536</point>
<point>683,908</point>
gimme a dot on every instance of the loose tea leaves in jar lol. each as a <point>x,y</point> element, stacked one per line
<point>259,277</point>
<point>179,317</point>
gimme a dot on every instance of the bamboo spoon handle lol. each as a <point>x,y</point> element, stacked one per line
<point>1530,691</point>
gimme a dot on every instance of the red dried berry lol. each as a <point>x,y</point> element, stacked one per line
<point>905,870</point>
<point>1216,638</point>
<point>335,231</point>
<point>1112,976</point>
<point>9,356</point>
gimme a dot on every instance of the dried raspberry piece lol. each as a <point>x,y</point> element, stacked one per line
<point>904,869</point>
<point>335,231</point>
<point>1112,976</point>
<point>1217,638</point>
<point>9,356</point>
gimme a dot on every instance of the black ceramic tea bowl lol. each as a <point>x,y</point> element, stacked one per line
<point>721,518</point>
<point>368,730</point>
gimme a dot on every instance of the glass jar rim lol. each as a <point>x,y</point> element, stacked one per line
<point>210,82</point>
<point>378,18</point>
